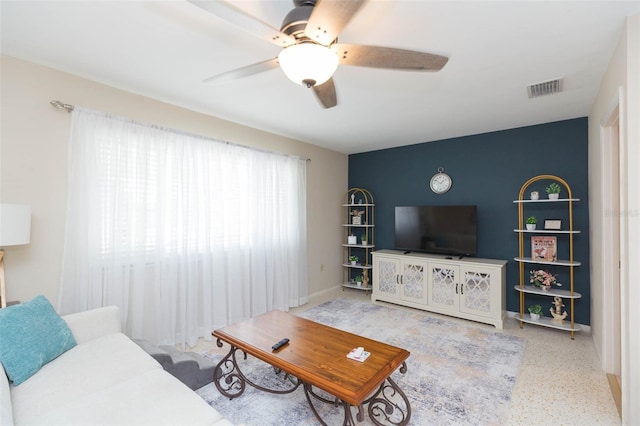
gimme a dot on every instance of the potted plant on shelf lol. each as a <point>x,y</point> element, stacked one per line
<point>543,279</point>
<point>531,223</point>
<point>357,216</point>
<point>353,259</point>
<point>358,280</point>
<point>535,311</point>
<point>363,237</point>
<point>554,191</point>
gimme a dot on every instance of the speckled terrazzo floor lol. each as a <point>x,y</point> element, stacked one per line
<point>560,380</point>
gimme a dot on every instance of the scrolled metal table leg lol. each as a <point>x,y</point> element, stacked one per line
<point>360,415</point>
<point>348,416</point>
<point>390,403</point>
<point>387,405</point>
<point>308,393</point>
<point>227,377</point>
<point>231,382</point>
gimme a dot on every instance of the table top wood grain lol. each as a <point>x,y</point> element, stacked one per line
<point>316,354</point>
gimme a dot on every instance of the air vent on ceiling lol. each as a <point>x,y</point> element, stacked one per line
<point>545,88</point>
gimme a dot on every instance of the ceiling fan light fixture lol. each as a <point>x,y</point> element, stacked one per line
<point>308,64</point>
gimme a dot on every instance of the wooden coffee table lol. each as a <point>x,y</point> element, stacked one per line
<point>315,357</point>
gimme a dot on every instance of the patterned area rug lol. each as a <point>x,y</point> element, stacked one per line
<point>456,374</point>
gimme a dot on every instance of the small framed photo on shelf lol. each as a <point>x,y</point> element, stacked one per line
<point>553,224</point>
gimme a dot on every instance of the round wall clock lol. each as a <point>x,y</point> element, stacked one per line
<point>440,182</point>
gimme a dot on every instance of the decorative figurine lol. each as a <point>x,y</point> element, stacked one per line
<point>557,314</point>
<point>353,197</point>
<point>365,278</point>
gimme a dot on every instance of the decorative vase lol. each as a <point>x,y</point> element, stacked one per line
<point>554,196</point>
<point>352,239</point>
<point>535,316</point>
<point>357,220</point>
<point>545,287</point>
<point>531,226</point>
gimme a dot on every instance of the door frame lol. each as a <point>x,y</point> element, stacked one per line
<point>615,305</point>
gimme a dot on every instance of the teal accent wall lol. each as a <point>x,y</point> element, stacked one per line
<point>488,170</point>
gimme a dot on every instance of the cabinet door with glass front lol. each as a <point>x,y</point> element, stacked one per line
<point>477,295</point>
<point>386,281</point>
<point>444,286</point>
<point>413,281</point>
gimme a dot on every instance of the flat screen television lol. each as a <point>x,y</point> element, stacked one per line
<point>449,230</point>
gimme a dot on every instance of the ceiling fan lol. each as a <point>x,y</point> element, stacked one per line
<point>311,52</point>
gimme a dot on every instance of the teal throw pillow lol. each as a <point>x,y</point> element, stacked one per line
<point>31,335</point>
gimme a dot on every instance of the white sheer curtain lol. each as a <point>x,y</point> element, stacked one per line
<point>183,233</point>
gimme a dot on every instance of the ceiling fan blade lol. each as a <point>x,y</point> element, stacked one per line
<point>243,72</point>
<point>326,94</point>
<point>388,57</point>
<point>228,12</point>
<point>329,17</point>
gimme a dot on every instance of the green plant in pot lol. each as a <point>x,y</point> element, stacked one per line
<point>553,190</point>
<point>535,311</point>
<point>363,237</point>
<point>531,223</point>
<point>353,259</point>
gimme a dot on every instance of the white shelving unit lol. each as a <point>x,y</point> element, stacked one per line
<point>558,262</point>
<point>525,289</point>
<point>358,200</point>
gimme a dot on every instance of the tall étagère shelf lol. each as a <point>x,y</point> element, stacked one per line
<point>524,288</point>
<point>358,238</point>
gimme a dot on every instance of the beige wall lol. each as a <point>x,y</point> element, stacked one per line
<point>33,161</point>
<point>621,84</point>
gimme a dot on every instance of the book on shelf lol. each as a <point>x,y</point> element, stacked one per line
<point>544,248</point>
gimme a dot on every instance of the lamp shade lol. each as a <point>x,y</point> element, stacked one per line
<point>308,64</point>
<point>15,224</point>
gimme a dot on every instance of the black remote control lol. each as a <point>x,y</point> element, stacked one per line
<point>280,344</point>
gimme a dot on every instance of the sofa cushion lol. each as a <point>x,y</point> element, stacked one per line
<point>31,335</point>
<point>108,380</point>
<point>86,369</point>
<point>151,398</point>
<point>89,325</point>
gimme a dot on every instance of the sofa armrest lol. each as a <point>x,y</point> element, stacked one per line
<point>89,325</point>
<point>6,408</point>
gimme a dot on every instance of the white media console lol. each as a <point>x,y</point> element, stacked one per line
<point>469,288</point>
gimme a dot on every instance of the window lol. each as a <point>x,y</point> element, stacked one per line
<point>203,232</point>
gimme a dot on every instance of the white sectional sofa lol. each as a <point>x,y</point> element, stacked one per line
<point>106,379</point>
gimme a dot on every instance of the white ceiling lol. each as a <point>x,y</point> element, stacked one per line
<point>164,50</point>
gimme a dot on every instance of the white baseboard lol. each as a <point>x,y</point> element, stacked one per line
<point>324,294</point>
